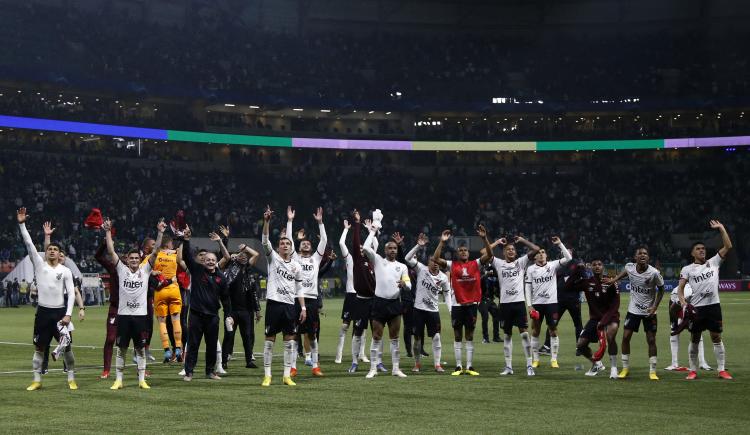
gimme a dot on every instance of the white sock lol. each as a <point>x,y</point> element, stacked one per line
<point>362,343</point>
<point>290,354</point>
<point>416,346</point>
<point>70,362</point>
<point>693,355</point>
<point>395,354</point>
<point>308,355</point>
<point>293,361</point>
<point>469,354</point>
<point>652,363</point>
<point>314,354</point>
<point>625,361</point>
<point>613,361</point>
<point>380,352</point>
<point>217,366</point>
<point>357,344</point>
<point>374,349</point>
<point>674,347</point>
<point>720,356</point>
<point>120,362</point>
<point>535,348</point>
<point>268,357</point>
<point>437,350</point>
<point>140,360</point>
<point>342,338</point>
<point>508,350</point>
<point>457,353</point>
<point>36,365</point>
<point>554,345</point>
<point>526,344</point>
<point>701,353</point>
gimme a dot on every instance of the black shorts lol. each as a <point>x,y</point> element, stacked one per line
<point>707,317</point>
<point>132,328</point>
<point>590,332</point>
<point>361,313</point>
<point>464,316</point>
<point>280,317</point>
<point>45,325</point>
<point>347,312</point>
<point>633,322</point>
<point>385,310</point>
<point>311,325</point>
<point>430,319</point>
<point>549,313</point>
<point>513,314</point>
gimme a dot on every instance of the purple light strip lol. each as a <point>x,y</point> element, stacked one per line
<point>707,142</point>
<point>81,127</point>
<point>301,142</point>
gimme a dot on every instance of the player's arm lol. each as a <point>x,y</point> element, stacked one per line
<point>222,247</point>
<point>527,292</point>
<point>300,296</point>
<point>436,256</point>
<point>487,250</point>
<point>101,256</point>
<point>265,242</point>
<point>160,227</point>
<point>69,284</point>
<point>253,255</point>
<point>405,281</point>
<point>79,303</point>
<point>33,254</point>
<point>724,238</point>
<point>533,248</point>
<point>322,230</point>
<point>290,213</point>
<point>565,253</point>
<point>409,259</point>
<point>681,291</point>
<point>107,227</point>
<point>48,230</point>
<point>617,278</point>
<point>657,300</point>
<point>186,254</point>
<point>367,247</point>
<point>342,239</point>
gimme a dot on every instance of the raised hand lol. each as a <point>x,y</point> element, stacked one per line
<point>301,234</point>
<point>398,238</point>
<point>224,230</point>
<point>556,240</point>
<point>347,225</point>
<point>107,224</point>
<point>290,213</point>
<point>368,224</point>
<point>355,215</point>
<point>481,231</point>
<point>502,240</point>
<point>21,215</point>
<point>213,236</point>
<point>422,239</point>
<point>187,233</point>
<point>445,236</point>
<point>48,229</point>
<point>241,247</point>
<point>332,256</point>
<point>268,213</point>
<point>161,226</point>
<point>318,215</point>
<point>518,239</point>
<point>716,224</point>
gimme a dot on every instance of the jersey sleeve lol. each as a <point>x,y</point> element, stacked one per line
<point>523,262</point>
<point>716,260</point>
<point>121,269</point>
<point>685,273</point>
<point>658,279</point>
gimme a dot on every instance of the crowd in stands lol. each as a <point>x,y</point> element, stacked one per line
<point>602,204</point>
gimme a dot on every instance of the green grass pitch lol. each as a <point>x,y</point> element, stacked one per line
<point>555,401</point>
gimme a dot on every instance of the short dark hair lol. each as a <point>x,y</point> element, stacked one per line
<point>696,244</point>
<point>202,251</point>
<point>56,245</point>
<point>133,251</point>
<point>146,240</point>
<point>639,247</point>
<point>165,239</point>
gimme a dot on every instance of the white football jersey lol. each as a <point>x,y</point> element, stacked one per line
<point>704,279</point>
<point>511,276</point>
<point>133,289</point>
<point>429,287</point>
<point>387,276</point>
<point>543,282</point>
<point>310,267</point>
<point>642,288</point>
<point>675,298</point>
<point>284,279</point>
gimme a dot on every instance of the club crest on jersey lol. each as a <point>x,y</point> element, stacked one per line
<point>59,276</point>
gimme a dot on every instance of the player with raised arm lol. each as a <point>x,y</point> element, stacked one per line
<point>310,263</point>
<point>466,294</point>
<point>646,292</point>
<point>604,316</point>
<point>132,304</point>
<point>364,284</point>
<point>350,299</point>
<point>430,283</point>
<point>541,295</point>
<point>52,278</point>
<point>390,277</point>
<point>167,300</point>
<point>102,258</point>
<point>284,285</point>
<point>512,307</point>
<point>705,307</point>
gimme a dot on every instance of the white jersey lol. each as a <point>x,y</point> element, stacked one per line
<point>387,273</point>
<point>642,288</point>
<point>310,265</point>
<point>704,279</point>
<point>349,263</point>
<point>429,287</point>
<point>284,277</point>
<point>133,289</point>
<point>542,281</point>
<point>51,282</point>
<point>511,276</point>
<point>675,298</point>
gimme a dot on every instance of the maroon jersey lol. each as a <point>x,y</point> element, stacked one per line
<point>603,300</point>
<point>102,257</point>
<point>364,274</point>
